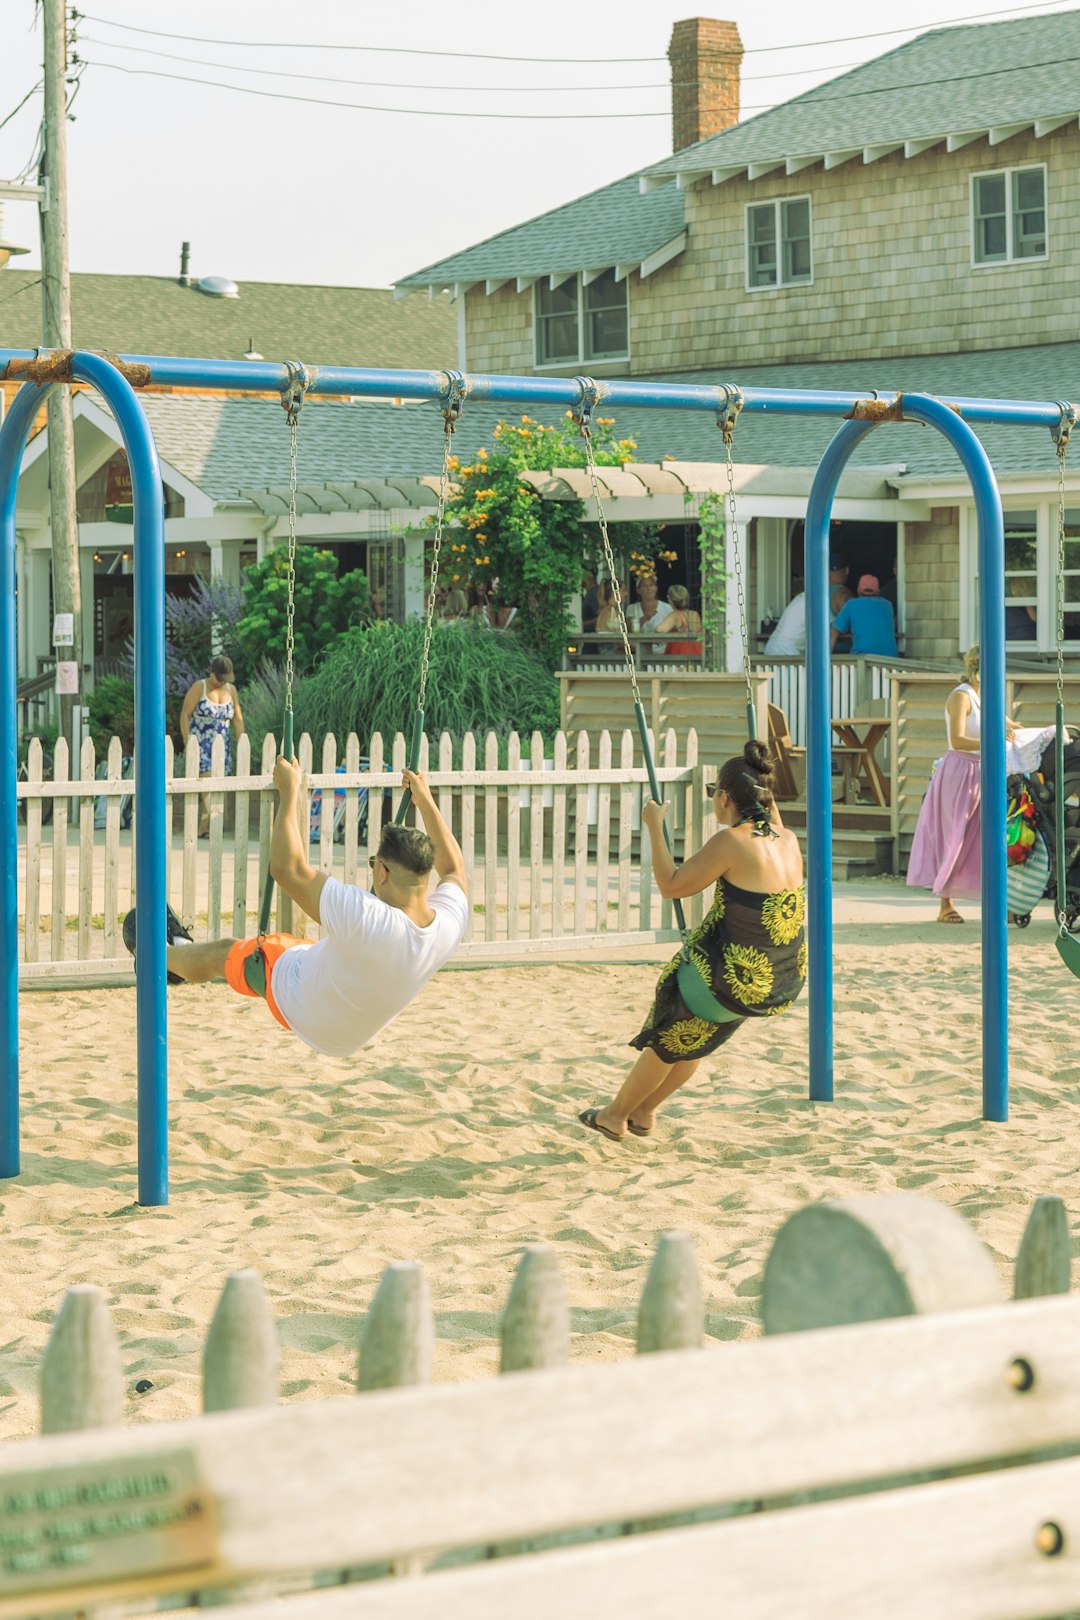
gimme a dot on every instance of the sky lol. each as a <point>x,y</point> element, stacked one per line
<point>270,189</point>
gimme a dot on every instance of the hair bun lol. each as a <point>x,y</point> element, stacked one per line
<point>757,758</point>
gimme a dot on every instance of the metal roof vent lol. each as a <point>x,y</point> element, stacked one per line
<point>218,287</point>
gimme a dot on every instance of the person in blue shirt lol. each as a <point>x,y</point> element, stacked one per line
<point>868,619</point>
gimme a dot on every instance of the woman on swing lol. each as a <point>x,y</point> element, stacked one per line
<point>750,948</point>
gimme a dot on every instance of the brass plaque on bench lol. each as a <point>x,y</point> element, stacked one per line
<point>89,1524</point>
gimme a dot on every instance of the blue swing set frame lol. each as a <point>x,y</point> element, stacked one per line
<point>118,379</point>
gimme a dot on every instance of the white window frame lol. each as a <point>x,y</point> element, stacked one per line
<point>1046,560</point>
<point>581,358</point>
<point>776,203</point>
<point>1010,261</point>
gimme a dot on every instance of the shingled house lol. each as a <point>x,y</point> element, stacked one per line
<point>210,527</point>
<point>912,224</point>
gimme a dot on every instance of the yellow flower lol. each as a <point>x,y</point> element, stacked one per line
<point>782,916</point>
<point>688,1036</point>
<point>481,455</point>
<point>748,973</point>
<point>801,960</point>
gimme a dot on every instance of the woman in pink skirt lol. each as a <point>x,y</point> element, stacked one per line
<point>945,851</point>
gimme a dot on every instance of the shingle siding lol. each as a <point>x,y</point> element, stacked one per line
<point>892,272</point>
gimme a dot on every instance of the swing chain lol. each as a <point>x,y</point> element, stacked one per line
<point>727,421</point>
<point>292,402</point>
<point>582,415</point>
<point>1061,435</point>
<point>455,394</point>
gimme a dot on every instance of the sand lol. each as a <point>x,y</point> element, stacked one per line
<point>452,1140</point>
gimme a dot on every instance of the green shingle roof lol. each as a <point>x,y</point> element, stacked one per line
<point>353,326</point>
<point>612,226</point>
<point>951,81</point>
<point>225,446</point>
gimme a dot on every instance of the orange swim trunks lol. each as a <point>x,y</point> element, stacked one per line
<point>274,946</point>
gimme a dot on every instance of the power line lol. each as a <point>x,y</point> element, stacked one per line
<point>477,56</point>
<point>21,105</point>
<point>431,112</point>
<point>392,84</point>
<point>355,106</point>
<point>373,84</point>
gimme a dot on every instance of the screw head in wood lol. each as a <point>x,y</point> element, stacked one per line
<point>1050,1539</point>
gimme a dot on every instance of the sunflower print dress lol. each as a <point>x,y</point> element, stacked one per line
<point>751,950</point>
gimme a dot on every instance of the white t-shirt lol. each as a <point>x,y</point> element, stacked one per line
<point>788,639</point>
<point>370,963</point>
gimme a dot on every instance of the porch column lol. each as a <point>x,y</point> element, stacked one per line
<point>414,576</point>
<point>225,560</point>
<point>38,625</point>
<point>86,585</point>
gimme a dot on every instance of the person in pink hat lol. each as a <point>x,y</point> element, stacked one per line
<point>868,620</point>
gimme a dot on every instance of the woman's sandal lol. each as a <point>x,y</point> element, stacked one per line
<point>638,1130</point>
<point>588,1117</point>
<point>951,916</point>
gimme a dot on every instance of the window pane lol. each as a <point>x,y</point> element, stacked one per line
<point>989,194</point>
<point>1029,214</point>
<point>761,248</point>
<point>991,239</point>
<point>762,224</point>
<point>606,329</point>
<point>558,337</point>
<point>558,300</point>
<point>605,292</point>
<point>1028,188</point>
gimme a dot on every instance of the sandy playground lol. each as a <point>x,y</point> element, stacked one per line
<point>452,1140</point>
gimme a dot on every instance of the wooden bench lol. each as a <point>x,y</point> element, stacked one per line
<point>804,1475</point>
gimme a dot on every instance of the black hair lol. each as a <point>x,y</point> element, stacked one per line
<point>749,781</point>
<point>407,847</point>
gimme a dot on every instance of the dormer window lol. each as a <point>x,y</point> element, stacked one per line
<point>1008,208</point>
<point>583,318</point>
<point>778,243</point>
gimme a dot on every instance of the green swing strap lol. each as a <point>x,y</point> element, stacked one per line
<point>1068,946</point>
<point>693,988</point>
<point>454,396</point>
<point>292,402</point>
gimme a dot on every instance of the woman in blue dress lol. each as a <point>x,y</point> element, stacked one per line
<point>211,709</point>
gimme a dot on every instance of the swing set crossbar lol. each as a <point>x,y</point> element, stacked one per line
<point>118,380</point>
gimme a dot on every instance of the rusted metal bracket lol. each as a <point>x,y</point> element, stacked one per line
<point>54,366</point>
<point>727,415</point>
<point>876,409</point>
<point>454,396</point>
<point>591,395</point>
<point>1066,422</point>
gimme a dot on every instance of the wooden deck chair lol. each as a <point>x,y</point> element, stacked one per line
<point>790,761</point>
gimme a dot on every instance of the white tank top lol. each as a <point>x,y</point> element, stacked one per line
<point>973,718</point>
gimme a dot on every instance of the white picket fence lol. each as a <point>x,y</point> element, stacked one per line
<point>551,842</point>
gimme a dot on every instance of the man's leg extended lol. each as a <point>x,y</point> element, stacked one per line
<point>199,963</point>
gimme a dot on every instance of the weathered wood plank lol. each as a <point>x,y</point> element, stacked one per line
<point>964,1550</point>
<point>513,838</point>
<point>241,839</point>
<point>110,903</point>
<point>1044,1264</point>
<point>32,927</point>
<point>343,1481</point>
<point>536,837</point>
<point>87,766</point>
<point>59,854</point>
<point>558,838</point>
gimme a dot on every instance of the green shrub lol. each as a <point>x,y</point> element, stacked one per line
<point>111,713</point>
<point>478,681</point>
<point>325,605</point>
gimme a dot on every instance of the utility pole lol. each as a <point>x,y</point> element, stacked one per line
<point>56,325</point>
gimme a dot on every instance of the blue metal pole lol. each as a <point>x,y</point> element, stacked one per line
<point>819,755</point>
<point>995,954</point>
<point>150,865</point>
<point>352,381</point>
<point>28,401</point>
<point>995,1070</point>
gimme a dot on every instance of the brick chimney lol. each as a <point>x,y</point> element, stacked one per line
<point>705,58</point>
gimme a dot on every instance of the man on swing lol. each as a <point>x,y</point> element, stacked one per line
<point>377,949</point>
